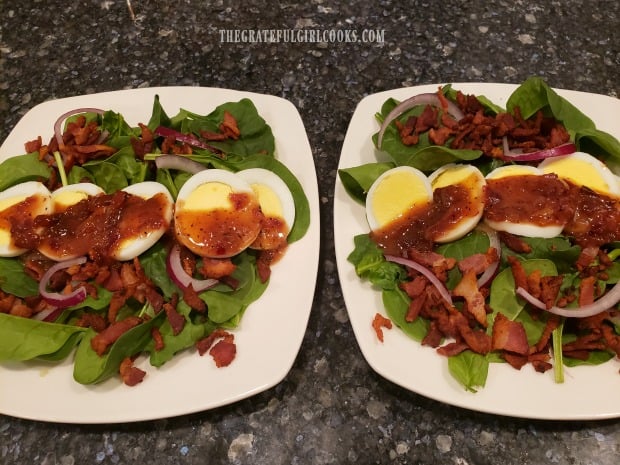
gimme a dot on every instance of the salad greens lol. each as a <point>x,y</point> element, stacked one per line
<point>551,257</point>
<point>26,339</point>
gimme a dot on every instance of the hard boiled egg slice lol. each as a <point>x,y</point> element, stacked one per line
<point>462,207</point>
<point>135,236</point>
<point>583,169</point>
<point>514,208</point>
<point>71,194</point>
<point>20,204</point>
<point>394,193</point>
<point>276,203</point>
<point>217,214</point>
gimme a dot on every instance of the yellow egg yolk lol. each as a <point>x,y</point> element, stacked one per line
<point>269,202</point>
<point>209,196</point>
<point>579,172</point>
<point>397,193</point>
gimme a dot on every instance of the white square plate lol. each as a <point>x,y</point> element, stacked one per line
<point>589,392</point>
<point>270,333</point>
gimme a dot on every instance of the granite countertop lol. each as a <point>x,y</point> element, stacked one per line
<point>331,408</point>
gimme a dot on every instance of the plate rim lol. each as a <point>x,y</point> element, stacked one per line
<point>342,202</point>
<point>289,120</point>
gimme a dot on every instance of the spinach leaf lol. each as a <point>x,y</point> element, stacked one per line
<point>79,174</point>
<point>503,298</point>
<point>256,135</point>
<point>358,179</point>
<point>371,264</point>
<point>108,176</point>
<point>223,306</point>
<point>153,262</point>
<point>396,304</point>
<point>469,369</point>
<point>158,116</point>
<point>15,280</point>
<point>90,368</point>
<point>23,168</point>
<point>26,339</point>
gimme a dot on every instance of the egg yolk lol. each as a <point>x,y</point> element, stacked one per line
<point>397,193</point>
<point>579,172</point>
<point>213,221</point>
<point>64,200</point>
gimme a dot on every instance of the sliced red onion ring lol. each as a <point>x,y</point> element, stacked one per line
<point>55,298</point>
<point>186,138</point>
<point>64,116</point>
<point>420,99</point>
<point>179,162</point>
<point>488,274</point>
<point>519,155</point>
<point>180,277</point>
<point>426,272</point>
<point>611,298</point>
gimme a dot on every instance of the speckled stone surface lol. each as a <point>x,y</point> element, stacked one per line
<point>331,408</point>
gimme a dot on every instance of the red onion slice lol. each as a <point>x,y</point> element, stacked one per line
<point>443,291</point>
<point>420,99</point>
<point>64,116</point>
<point>519,155</point>
<point>180,277</point>
<point>186,138</point>
<point>55,298</point>
<point>488,274</point>
<point>179,162</point>
<point>611,298</point>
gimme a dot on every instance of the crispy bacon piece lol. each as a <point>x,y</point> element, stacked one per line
<point>176,320</point>
<point>478,262</point>
<point>509,335</point>
<point>158,340</point>
<point>92,320</point>
<point>378,323</point>
<point>587,290</point>
<point>217,268</point>
<point>191,298</point>
<point>552,323</point>
<point>587,257</point>
<point>518,272</point>
<point>477,340</point>
<point>468,289</point>
<point>452,348</point>
<point>515,360</point>
<point>549,289</point>
<point>223,352</point>
<point>229,126</point>
<point>130,374</point>
<point>109,336</point>
<point>439,264</point>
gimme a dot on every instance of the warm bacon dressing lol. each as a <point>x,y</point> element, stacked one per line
<point>94,226</point>
<point>419,226</point>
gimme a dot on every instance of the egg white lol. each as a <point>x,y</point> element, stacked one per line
<point>17,194</point>
<point>471,179</point>
<point>280,203</point>
<point>131,247</point>
<point>525,228</point>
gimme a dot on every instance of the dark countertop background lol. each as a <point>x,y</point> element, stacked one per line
<point>331,408</point>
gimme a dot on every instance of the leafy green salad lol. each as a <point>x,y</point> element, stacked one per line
<point>54,331</point>
<point>551,339</point>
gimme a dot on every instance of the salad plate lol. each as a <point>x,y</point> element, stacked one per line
<point>588,392</point>
<point>188,383</point>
